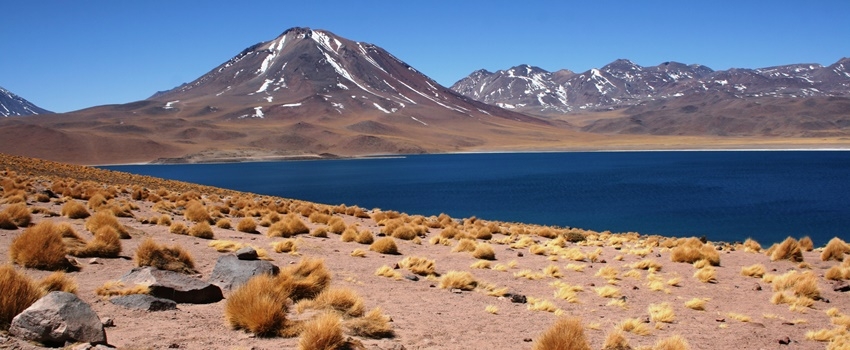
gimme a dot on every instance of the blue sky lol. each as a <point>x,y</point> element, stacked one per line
<point>68,55</point>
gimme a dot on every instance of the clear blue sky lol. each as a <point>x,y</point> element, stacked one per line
<point>68,55</point>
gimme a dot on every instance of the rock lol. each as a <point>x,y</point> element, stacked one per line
<point>519,254</point>
<point>144,302</point>
<point>413,278</point>
<point>757,287</point>
<point>94,261</point>
<point>518,298</point>
<point>108,322</point>
<point>247,253</point>
<point>785,341</point>
<point>57,318</point>
<point>173,285</point>
<point>456,291</point>
<point>841,287</point>
<point>230,272</point>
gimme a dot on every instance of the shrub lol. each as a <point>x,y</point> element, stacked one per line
<point>224,223</point>
<point>259,306</point>
<point>343,300</point>
<point>484,251</point>
<point>285,246</point>
<point>6,221</point>
<point>464,245</point>
<point>365,237</point>
<point>835,250</point>
<point>201,230</point>
<point>756,271</point>
<point>696,304</point>
<point>661,313</point>
<point>106,218</point>
<point>458,280</point>
<point>113,288</point>
<point>634,326</point>
<point>17,292</point>
<point>615,340</point>
<point>196,212</point>
<point>418,265</point>
<point>174,258</point>
<point>73,242</point>
<point>565,334</point>
<point>806,244</point>
<point>40,247</point>
<point>178,228</point>
<point>322,333</point>
<point>675,342</point>
<point>750,245</point>
<point>74,210</point>
<point>789,249</point>
<point>384,245</point>
<point>693,250</point>
<point>706,274</point>
<point>386,271</point>
<point>247,225</point>
<point>57,281</point>
<point>307,279</point>
<point>105,244</point>
<point>321,232</point>
<point>17,214</point>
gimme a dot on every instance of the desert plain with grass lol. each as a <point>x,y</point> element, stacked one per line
<point>368,278</point>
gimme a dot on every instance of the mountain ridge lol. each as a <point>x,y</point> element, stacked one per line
<point>14,105</point>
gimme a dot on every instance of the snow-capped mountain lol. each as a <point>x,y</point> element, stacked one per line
<point>623,83</point>
<point>315,71</point>
<point>14,105</point>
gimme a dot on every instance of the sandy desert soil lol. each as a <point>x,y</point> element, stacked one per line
<point>536,262</point>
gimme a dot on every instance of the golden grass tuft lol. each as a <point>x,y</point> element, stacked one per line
<point>345,301</point>
<point>358,253</point>
<point>837,273</point>
<point>259,306</point>
<point>707,274</point>
<point>418,265</point>
<point>173,258</point>
<point>789,249</point>
<point>480,264</point>
<point>385,245</point>
<point>17,292</point>
<point>224,223</point>
<point>696,304</point>
<point>247,225</point>
<point>290,225</point>
<point>806,244</point>
<point>462,280</point>
<point>321,232</point>
<point>178,228</point>
<point>386,271</point>
<point>575,267</point>
<point>616,340</point>
<point>565,334</point>
<point>196,212</point>
<point>307,278</point>
<point>739,317</point>
<point>484,251</point>
<point>57,282</point>
<point>692,250</point>
<point>535,304</point>
<point>364,237</point>
<point>634,326</point>
<point>285,246</point>
<point>661,313</point>
<point>800,283</point>
<point>492,309</point>
<point>646,264</point>
<point>105,244</point>
<point>106,218</point>
<point>757,271</point>
<point>607,292</point>
<point>40,247</point>
<point>322,333</point>
<point>17,215</point>
<point>74,210</point>
<point>675,342</point>
<point>201,229</point>
<point>113,288</point>
<point>373,325</point>
<point>464,245</point>
<point>751,246</point>
<point>835,250</point>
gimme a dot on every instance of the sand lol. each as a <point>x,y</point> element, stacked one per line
<point>425,316</point>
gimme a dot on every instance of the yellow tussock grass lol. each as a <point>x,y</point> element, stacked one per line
<point>224,223</point>
<point>17,215</point>
<point>500,267</point>
<point>178,228</point>
<point>739,317</point>
<point>621,303</point>
<point>345,301</point>
<point>307,278</point>
<point>201,230</point>
<point>74,210</point>
<point>751,246</point>
<point>800,283</point>
<point>646,264</point>
<point>531,275</point>
<point>806,244</point>
<point>633,274</point>
<point>574,254</point>
<point>757,271</point>
<point>290,225</point>
<point>349,234</point>
<point>575,267</point>
<point>106,218</point>
<point>634,326</point>
<point>223,246</point>
<point>336,225</point>
<point>696,304</point>
<point>837,273</point>
<point>462,280</point>
<point>480,264</point>
<point>373,325</point>
<point>616,340</point>
<point>706,274</point>
<point>484,251</point>
<point>106,243</point>
<point>17,292</point>
<point>608,272</point>
<point>57,282</point>
<point>538,250</point>
<point>608,292</point>
<point>358,253</point>
<point>284,246</point>
<point>386,271</point>
<point>564,334</point>
<point>321,232</point>
<point>384,245</point>
<point>259,306</point>
<point>692,250</point>
<point>674,282</point>
<point>40,247</point>
<point>492,309</point>
<point>247,225</point>
<point>535,304</point>
<point>835,249</point>
<point>365,237</point>
<point>113,288</point>
<point>173,258</point>
<point>553,271</point>
<point>418,265</point>
<point>661,313</point>
<point>675,342</point>
<point>789,249</point>
<point>196,212</point>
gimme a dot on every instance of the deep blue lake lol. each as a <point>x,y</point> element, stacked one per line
<point>724,195</point>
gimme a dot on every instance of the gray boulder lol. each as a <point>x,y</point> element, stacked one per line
<point>230,272</point>
<point>144,302</point>
<point>174,285</point>
<point>247,253</point>
<point>57,318</point>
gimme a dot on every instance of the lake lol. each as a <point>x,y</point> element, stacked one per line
<point>724,195</point>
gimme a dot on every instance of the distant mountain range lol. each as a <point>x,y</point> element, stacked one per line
<point>14,105</point>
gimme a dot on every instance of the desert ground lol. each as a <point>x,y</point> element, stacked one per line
<point>453,283</point>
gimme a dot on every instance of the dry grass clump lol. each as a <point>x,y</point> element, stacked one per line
<point>385,245</point>
<point>739,317</point>
<point>173,258</point>
<point>40,247</point>
<point>105,244</point>
<point>707,274</point>
<point>609,273</point>
<point>696,304</point>
<point>106,218</point>
<point>565,334</point>
<point>464,245</point>
<point>17,292</point>
<point>789,249</point>
<point>349,234</point>
<point>74,210</point>
<point>480,264</point>
<point>835,250</point>
<point>634,326</point>
<point>358,253</point>
<point>197,212</point>
<point>364,237</point>
<point>616,340</point>
<point>567,292</point>
<point>837,273</point>
<point>462,280</point>
<point>661,313</point>
<point>345,301</point>
<point>17,215</point>
<point>307,279</point>
<point>798,290</point>
<point>322,333</point>
<point>321,232</point>
<point>290,225</point>
<point>484,251</point>
<point>247,225</point>
<point>646,264</point>
<point>224,223</point>
<point>336,225</point>
<point>693,250</point>
<point>806,244</point>
<point>675,342</point>
<point>259,306</point>
<point>373,325</point>
<point>201,230</point>
<point>386,271</point>
<point>113,288</point>
<point>57,282</point>
<point>418,265</point>
<point>750,245</point>
<point>607,292</point>
<point>757,271</point>
<point>285,246</point>
<point>178,228</point>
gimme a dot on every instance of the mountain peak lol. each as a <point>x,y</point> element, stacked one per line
<point>14,105</point>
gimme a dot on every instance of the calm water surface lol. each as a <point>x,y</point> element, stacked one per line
<point>723,195</point>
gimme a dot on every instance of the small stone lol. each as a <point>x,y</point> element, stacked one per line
<point>757,287</point>
<point>527,340</point>
<point>94,261</point>
<point>107,322</point>
<point>247,253</point>
<point>456,291</point>
<point>721,320</point>
<point>413,278</point>
<point>603,261</point>
<point>635,288</point>
<point>785,341</point>
<point>519,298</point>
<point>841,287</point>
<point>519,254</point>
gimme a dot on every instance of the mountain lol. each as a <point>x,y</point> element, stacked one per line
<point>791,100</point>
<point>14,105</point>
<point>302,94</point>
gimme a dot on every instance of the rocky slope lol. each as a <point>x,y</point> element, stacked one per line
<point>14,105</point>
